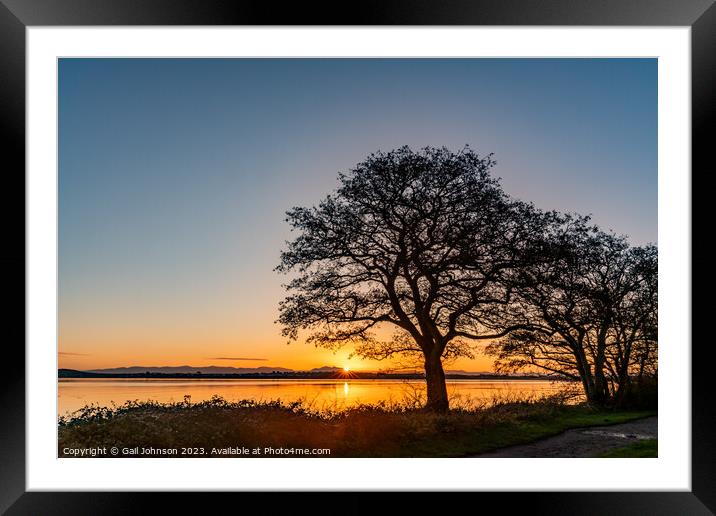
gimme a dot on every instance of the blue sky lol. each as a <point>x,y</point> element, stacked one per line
<point>174,174</point>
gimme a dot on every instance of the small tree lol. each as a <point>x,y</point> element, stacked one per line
<point>416,241</point>
<point>589,310</point>
<point>632,342</point>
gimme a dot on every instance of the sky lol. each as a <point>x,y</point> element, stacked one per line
<point>175,176</point>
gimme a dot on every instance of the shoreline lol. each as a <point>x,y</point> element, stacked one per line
<point>74,374</point>
<point>219,428</point>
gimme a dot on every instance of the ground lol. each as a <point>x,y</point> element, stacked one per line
<point>587,442</point>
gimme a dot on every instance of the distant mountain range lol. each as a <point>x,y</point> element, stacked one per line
<point>329,372</point>
<point>186,369</point>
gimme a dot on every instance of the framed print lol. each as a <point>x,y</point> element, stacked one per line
<point>402,250</point>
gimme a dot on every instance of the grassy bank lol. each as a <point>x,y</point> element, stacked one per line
<point>221,428</point>
<point>648,448</point>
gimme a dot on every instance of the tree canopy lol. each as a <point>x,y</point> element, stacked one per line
<point>589,309</point>
<point>419,241</point>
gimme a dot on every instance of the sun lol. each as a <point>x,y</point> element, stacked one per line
<point>346,369</point>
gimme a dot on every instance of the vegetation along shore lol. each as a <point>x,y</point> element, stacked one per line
<point>219,428</point>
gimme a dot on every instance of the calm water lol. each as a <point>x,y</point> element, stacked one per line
<point>320,394</point>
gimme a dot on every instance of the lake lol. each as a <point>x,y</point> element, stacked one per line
<point>74,393</point>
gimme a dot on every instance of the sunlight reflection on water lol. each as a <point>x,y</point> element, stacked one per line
<point>317,394</point>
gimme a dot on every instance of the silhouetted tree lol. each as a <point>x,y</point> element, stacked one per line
<point>418,241</point>
<point>632,344</point>
<point>589,309</point>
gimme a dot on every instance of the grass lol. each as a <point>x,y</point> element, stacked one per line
<point>382,430</point>
<point>647,448</point>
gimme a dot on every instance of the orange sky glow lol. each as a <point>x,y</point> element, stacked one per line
<point>101,347</point>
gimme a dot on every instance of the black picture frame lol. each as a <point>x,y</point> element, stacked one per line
<point>17,15</point>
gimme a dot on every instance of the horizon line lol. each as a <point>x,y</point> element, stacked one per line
<point>394,371</point>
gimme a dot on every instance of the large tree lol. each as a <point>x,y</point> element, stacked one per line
<point>419,241</point>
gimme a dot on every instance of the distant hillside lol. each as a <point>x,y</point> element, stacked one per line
<point>463,372</point>
<point>190,370</point>
<point>325,372</point>
<point>187,369</point>
<point>72,373</point>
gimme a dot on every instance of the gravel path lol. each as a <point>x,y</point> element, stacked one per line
<point>583,442</point>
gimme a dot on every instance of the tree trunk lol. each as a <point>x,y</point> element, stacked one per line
<point>437,390</point>
<point>624,385</point>
<point>585,374</point>
<point>621,392</point>
<point>601,389</point>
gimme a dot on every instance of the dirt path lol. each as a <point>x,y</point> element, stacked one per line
<point>583,442</point>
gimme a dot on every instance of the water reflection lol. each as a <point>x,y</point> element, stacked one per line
<point>319,394</point>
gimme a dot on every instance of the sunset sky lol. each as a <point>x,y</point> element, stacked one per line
<point>175,175</point>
